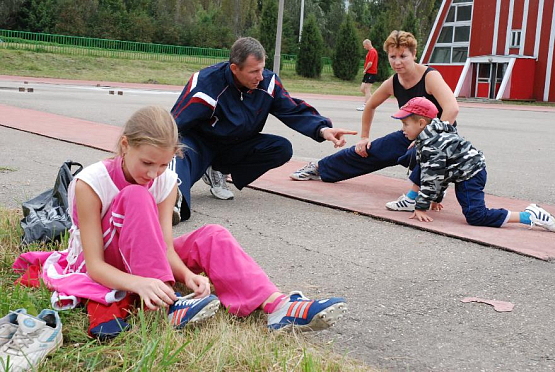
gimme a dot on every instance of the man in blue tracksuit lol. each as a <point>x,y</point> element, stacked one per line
<point>222,111</point>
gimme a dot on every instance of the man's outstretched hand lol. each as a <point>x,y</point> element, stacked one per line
<point>336,135</point>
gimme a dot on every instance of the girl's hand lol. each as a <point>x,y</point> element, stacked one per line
<point>421,216</point>
<point>199,284</point>
<point>154,292</point>
<point>362,146</point>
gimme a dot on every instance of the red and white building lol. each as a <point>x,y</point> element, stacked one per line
<point>498,49</point>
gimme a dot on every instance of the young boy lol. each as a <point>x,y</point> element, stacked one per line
<point>445,157</point>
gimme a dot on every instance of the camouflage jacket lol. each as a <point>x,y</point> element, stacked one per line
<point>444,157</point>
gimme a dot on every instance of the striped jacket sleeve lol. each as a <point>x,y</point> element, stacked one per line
<point>433,163</point>
<point>193,107</point>
<point>296,113</point>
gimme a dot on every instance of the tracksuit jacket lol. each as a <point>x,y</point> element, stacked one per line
<point>214,108</point>
<point>444,157</point>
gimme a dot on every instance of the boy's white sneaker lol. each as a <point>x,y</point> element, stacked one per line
<point>361,108</point>
<point>403,203</point>
<point>541,217</point>
<point>34,339</point>
<point>8,326</point>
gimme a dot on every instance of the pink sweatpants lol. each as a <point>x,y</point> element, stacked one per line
<point>134,243</point>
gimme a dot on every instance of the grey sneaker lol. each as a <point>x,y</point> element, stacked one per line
<point>402,204</point>
<point>541,217</point>
<point>176,216</point>
<point>361,108</point>
<point>8,326</point>
<point>306,173</point>
<point>218,185</point>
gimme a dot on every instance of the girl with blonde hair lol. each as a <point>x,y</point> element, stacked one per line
<point>121,247</point>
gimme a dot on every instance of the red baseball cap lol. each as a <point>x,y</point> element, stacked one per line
<point>419,106</point>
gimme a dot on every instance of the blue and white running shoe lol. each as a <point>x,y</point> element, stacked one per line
<point>186,310</point>
<point>541,217</point>
<point>307,315</point>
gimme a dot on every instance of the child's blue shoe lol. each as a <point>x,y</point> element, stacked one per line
<point>186,310</point>
<point>110,329</point>
<point>307,315</point>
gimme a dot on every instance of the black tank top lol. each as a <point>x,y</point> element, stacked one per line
<point>418,90</point>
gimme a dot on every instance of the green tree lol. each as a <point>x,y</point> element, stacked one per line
<point>109,20</point>
<point>333,20</point>
<point>378,34</point>
<point>412,25</point>
<point>309,60</point>
<point>346,58</point>
<point>9,12</point>
<point>268,29</point>
<point>74,18</point>
<point>37,16</point>
<point>208,32</point>
<point>139,27</point>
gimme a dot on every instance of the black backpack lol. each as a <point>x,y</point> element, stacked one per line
<point>46,217</point>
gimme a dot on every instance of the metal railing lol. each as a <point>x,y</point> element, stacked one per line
<point>76,45</point>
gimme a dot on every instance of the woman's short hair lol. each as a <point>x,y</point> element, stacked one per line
<point>245,47</point>
<point>400,39</point>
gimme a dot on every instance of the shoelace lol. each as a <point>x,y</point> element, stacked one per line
<point>219,180</point>
<point>302,296</point>
<point>187,300</point>
<point>309,168</point>
<point>19,343</point>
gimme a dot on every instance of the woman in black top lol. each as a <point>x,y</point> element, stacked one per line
<point>410,80</point>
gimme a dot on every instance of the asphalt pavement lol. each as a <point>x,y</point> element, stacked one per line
<point>404,286</point>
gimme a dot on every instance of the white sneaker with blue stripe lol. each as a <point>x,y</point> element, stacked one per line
<point>305,314</point>
<point>541,217</point>
<point>402,204</point>
<point>34,339</point>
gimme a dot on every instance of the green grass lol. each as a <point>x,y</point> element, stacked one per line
<point>223,343</point>
<point>51,65</point>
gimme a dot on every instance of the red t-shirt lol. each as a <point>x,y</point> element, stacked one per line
<point>372,56</point>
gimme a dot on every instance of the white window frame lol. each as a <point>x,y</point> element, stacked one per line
<point>454,24</point>
<point>516,38</point>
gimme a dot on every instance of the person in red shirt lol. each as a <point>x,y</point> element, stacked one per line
<point>370,71</point>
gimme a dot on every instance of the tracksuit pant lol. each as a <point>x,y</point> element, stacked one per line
<point>245,161</point>
<point>470,195</point>
<point>384,152</point>
<point>135,244</point>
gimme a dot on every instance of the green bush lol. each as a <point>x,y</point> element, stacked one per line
<point>346,58</point>
<point>378,34</point>
<point>309,61</point>
<point>268,29</point>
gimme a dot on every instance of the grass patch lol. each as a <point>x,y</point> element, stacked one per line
<point>7,169</point>
<point>51,65</point>
<point>224,343</point>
